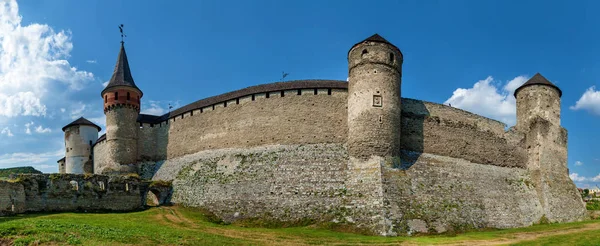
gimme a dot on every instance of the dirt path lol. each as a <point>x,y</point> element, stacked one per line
<point>172,217</point>
<point>527,236</point>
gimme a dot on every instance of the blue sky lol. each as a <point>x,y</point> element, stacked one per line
<point>55,56</point>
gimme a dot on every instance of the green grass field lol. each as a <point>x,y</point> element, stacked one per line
<point>185,226</point>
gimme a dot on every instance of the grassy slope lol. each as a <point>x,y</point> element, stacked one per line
<point>181,226</point>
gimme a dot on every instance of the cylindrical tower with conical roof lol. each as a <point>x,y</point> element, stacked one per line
<point>80,135</point>
<point>121,107</point>
<point>375,72</point>
<point>537,97</point>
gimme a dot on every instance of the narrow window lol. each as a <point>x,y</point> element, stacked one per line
<point>364,52</point>
<point>105,98</point>
<point>213,107</point>
<point>299,92</point>
<point>90,142</point>
<point>201,110</point>
<point>192,113</point>
<point>116,95</point>
<point>182,116</point>
<point>329,91</point>
<point>225,104</point>
<point>151,125</point>
<point>282,94</point>
<point>128,96</point>
<point>391,57</point>
<point>267,95</point>
<point>237,101</point>
<point>252,97</point>
<point>315,91</point>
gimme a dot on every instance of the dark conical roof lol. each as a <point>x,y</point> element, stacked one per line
<point>122,75</point>
<point>377,39</point>
<point>81,121</point>
<point>538,79</point>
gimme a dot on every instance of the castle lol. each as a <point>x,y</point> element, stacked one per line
<point>351,152</point>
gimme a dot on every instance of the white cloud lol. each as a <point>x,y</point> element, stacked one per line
<point>576,178</point>
<point>489,98</point>
<point>77,111</point>
<point>26,159</point>
<point>91,61</point>
<point>28,128</point>
<point>32,62</point>
<point>62,110</point>
<point>154,109</point>
<point>105,84</point>
<point>6,132</point>
<point>40,129</point>
<point>578,163</point>
<point>589,101</point>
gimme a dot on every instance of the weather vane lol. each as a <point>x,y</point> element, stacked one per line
<point>122,34</point>
<point>283,75</point>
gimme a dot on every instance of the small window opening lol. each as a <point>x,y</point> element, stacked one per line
<point>252,97</point>
<point>90,142</point>
<point>213,107</point>
<point>268,95</point>
<point>391,57</point>
<point>282,94</point>
<point>299,92</point>
<point>201,110</point>
<point>316,91</point>
<point>105,98</point>
<point>182,116</point>
<point>128,96</point>
<point>151,125</point>
<point>364,52</point>
<point>192,113</point>
<point>141,124</point>
<point>237,101</point>
<point>329,91</point>
<point>116,95</point>
<point>225,104</point>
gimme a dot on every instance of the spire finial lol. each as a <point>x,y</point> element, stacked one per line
<point>122,34</point>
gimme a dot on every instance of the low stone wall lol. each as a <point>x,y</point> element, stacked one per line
<point>283,182</point>
<point>71,192</point>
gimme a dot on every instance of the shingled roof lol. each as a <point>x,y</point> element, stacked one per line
<point>377,39</point>
<point>538,79</point>
<point>279,86</point>
<point>122,74</point>
<point>81,121</point>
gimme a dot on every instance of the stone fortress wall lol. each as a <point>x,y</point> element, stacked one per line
<point>350,152</point>
<point>286,158</point>
<point>71,192</point>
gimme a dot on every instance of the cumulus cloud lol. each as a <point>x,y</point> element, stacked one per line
<point>28,128</point>
<point>40,129</point>
<point>589,101</point>
<point>6,131</point>
<point>576,178</point>
<point>578,163</point>
<point>33,57</point>
<point>26,159</point>
<point>105,84</point>
<point>77,110</point>
<point>490,98</point>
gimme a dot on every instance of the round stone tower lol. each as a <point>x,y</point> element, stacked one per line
<point>537,97</point>
<point>375,72</point>
<point>80,135</point>
<point>121,107</point>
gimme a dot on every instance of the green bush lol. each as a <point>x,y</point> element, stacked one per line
<point>593,205</point>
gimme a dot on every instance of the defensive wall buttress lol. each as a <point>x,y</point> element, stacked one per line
<point>352,152</point>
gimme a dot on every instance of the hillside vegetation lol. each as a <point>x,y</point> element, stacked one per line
<point>6,172</point>
<point>186,226</point>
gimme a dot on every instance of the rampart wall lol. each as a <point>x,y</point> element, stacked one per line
<point>70,192</point>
